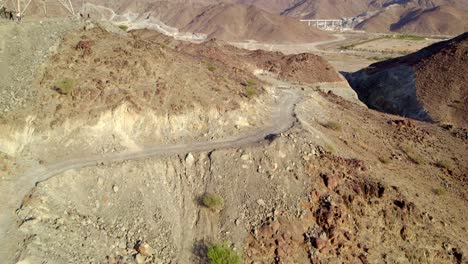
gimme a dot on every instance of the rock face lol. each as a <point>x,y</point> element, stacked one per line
<point>429,85</point>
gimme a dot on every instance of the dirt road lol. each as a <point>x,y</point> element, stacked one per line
<point>289,48</point>
<point>282,119</point>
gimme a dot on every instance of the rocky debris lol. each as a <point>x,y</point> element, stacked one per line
<point>189,159</point>
<point>245,157</point>
<point>331,228</point>
<point>320,243</point>
<point>144,249</point>
<point>85,47</point>
<point>261,202</point>
<point>139,258</point>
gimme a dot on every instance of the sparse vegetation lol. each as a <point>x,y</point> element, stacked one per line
<point>123,27</point>
<point>352,45</point>
<point>332,125</point>
<point>439,191</point>
<point>65,86</point>
<point>445,164</point>
<point>412,155</point>
<point>410,37</point>
<point>250,92</point>
<point>330,148</point>
<point>214,202</point>
<point>384,160</point>
<point>211,68</point>
<point>251,83</point>
<point>223,254</point>
<point>380,58</point>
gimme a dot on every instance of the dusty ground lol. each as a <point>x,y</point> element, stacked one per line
<point>393,45</point>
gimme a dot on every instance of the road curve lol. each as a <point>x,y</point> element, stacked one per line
<point>282,119</point>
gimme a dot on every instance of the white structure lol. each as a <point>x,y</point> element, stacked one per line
<point>21,6</point>
<point>326,24</point>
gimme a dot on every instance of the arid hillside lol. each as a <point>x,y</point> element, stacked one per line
<point>438,20</point>
<point>427,85</point>
<point>295,68</point>
<point>323,9</point>
<point>272,6</point>
<point>135,147</point>
<point>226,21</point>
<point>239,22</point>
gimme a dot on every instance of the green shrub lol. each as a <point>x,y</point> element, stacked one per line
<point>250,92</point>
<point>251,83</point>
<point>214,202</point>
<point>332,125</point>
<point>439,191</point>
<point>384,160</point>
<point>65,86</point>
<point>211,68</point>
<point>329,147</point>
<point>223,254</point>
<point>123,27</point>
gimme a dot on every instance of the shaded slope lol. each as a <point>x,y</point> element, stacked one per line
<point>427,85</point>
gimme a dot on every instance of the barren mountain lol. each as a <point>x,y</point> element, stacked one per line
<point>234,22</point>
<point>323,9</point>
<point>427,85</point>
<point>423,17</point>
<point>438,20</point>
<point>272,6</point>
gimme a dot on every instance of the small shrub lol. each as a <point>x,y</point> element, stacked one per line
<point>123,27</point>
<point>439,191</point>
<point>251,83</point>
<point>444,164</point>
<point>329,148</point>
<point>214,202</point>
<point>211,68</point>
<point>250,92</point>
<point>332,125</point>
<point>384,160</point>
<point>65,86</point>
<point>223,254</point>
<point>413,156</point>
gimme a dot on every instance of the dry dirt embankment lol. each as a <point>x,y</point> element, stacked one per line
<point>428,85</point>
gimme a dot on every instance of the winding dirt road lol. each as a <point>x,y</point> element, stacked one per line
<point>282,119</point>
